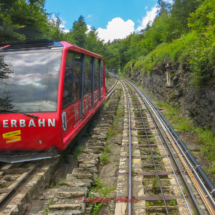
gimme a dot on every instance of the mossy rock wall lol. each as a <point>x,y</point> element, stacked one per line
<point>198,105</point>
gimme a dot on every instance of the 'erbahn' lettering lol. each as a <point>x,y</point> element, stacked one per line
<point>32,123</point>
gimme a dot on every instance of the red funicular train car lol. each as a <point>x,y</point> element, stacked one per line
<point>48,92</point>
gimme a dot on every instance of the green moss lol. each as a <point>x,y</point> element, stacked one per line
<point>77,151</point>
<point>104,158</point>
<point>206,137</point>
<point>107,149</point>
<point>103,191</point>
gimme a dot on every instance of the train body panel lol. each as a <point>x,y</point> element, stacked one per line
<point>48,95</point>
<point>20,132</point>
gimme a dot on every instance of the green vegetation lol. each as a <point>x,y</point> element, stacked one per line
<point>51,202</point>
<point>194,212</point>
<point>149,204</point>
<point>46,210</point>
<point>103,191</point>
<point>146,183</point>
<point>184,191</point>
<point>97,207</point>
<point>107,149</point>
<point>119,116</point>
<point>204,136</point>
<point>62,180</point>
<point>107,104</point>
<point>160,203</point>
<point>159,158</point>
<point>181,31</point>
<point>104,158</point>
<point>187,38</point>
<point>155,186</point>
<point>172,202</point>
<point>176,121</point>
<point>52,186</point>
<point>77,151</point>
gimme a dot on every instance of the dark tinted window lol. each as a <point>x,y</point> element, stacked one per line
<point>88,62</point>
<point>67,88</point>
<point>72,80</point>
<point>76,94</point>
<point>102,74</point>
<point>96,74</point>
<point>29,81</point>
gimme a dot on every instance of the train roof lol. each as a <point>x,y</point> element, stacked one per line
<point>43,44</point>
<point>81,50</point>
<point>29,44</point>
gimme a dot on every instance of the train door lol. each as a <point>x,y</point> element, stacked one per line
<point>71,106</point>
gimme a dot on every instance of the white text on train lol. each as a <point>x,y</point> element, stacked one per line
<point>32,123</point>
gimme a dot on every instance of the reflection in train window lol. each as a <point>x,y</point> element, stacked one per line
<point>67,88</point>
<point>88,63</point>
<point>96,74</point>
<point>72,78</point>
<point>29,81</point>
<point>76,92</point>
<point>102,74</point>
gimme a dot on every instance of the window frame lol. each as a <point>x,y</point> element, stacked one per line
<point>81,83</point>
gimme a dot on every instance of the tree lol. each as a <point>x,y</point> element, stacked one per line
<point>78,31</point>
<point>163,7</point>
<point>20,19</point>
<point>181,10</point>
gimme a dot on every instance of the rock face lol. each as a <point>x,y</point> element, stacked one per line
<point>198,106</point>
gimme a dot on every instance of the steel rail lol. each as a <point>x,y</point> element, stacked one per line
<point>175,161</point>
<point>109,91</point>
<point>16,185</point>
<point>197,167</point>
<point>152,155</point>
<point>193,198</point>
<point>188,167</point>
<point>188,161</point>
<point>195,178</point>
<point>130,155</point>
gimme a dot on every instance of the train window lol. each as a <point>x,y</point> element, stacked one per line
<point>76,93</point>
<point>88,63</point>
<point>67,89</point>
<point>96,74</point>
<point>72,80</point>
<point>102,74</point>
<point>29,81</point>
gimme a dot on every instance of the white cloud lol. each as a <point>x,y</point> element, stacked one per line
<point>53,19</point>
<point>117,28</point>
<point>146,7</point>
<point>88,28</point>
<point>150,16</point>
<point>88,16</point>
<point>169,1</point>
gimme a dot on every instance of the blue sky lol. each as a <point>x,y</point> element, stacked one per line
<point>113,19</point>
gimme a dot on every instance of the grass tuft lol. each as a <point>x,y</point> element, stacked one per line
<point>78,151</point>
<point>104,158</point>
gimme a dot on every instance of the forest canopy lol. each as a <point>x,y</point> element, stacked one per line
<point>183,31</point>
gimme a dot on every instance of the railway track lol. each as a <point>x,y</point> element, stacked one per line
<point>158,175</point>
<point>155,176</point>
<point>20,183</point>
